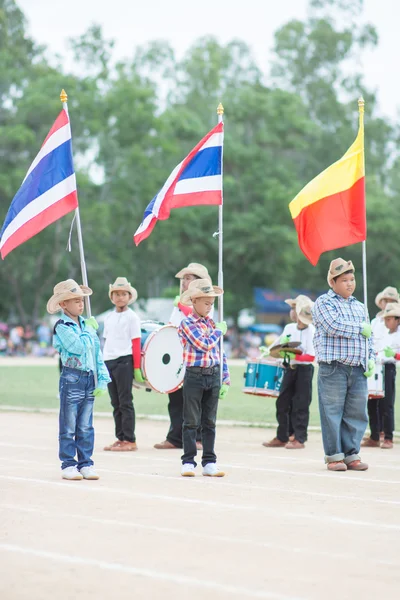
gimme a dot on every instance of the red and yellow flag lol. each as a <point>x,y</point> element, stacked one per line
<point>330,211</point>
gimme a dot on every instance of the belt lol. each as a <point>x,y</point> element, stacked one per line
<point>204,370</point>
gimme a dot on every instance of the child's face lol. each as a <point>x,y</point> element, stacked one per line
<point>344,285</point>
<point>186,280</point>
<point>293,315</point>
<point>120,298</point>
<point>383,302</point>
<point>391,323</point>
<point>203,305</point>
<point>73,307</point>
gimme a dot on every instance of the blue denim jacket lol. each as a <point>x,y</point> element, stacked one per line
<point>79,348</point>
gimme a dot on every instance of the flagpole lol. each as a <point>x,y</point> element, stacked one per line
<point>220,113</point>
<point>64,100</point>
<point>361,105</point>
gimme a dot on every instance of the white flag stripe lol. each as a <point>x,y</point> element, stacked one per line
<point>40,204</point>
<point>217,139</point>
<point>59,137</point>
<point>212,183</point>
<point>164,189</point>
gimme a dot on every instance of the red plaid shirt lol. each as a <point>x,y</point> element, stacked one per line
<point>201,344</point>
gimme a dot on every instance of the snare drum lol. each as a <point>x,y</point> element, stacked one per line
<point>376,383</point>
<point>263,378</point>
<point>162,357</point>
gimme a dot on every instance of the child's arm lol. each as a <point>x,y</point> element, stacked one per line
<point>225,371</point>
<point>327,316</point>
<point>75,342</point>
<point>195,337</point>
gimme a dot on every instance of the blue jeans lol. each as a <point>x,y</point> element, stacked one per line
<point>342,395</point>
<point>76,418</point>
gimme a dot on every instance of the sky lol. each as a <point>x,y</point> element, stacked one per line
<point>134,22</point>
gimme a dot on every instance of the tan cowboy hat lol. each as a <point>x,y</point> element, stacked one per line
<point>292,301</point>
<point>200,288</point>
<point>66,290</point>
<point>121,284</point>
<point>337,267</point>
<point>389,293</point>
<point>391,310</point>
<point>194,269</point>
<point>303,309</point>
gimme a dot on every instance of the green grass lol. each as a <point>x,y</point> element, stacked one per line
<point>37,387</point>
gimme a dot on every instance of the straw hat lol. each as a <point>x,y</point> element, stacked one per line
<point>303,309</point>
<point>194,269</point>
<point>121,284</point>
<point>389,293</point>
<point>391,310</point>
<point>66,290</point>
<point>200,288</point>
<point>292,301</point>
<point>337,267</point>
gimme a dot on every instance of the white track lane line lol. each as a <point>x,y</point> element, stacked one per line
<point>226,483</point>
<point>154,575</point>
<point>331,520</point>
<point>194,534</point>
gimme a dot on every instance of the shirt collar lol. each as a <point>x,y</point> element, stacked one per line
<point>333,294</point>
<point>195,317</point>
<point>69,320</point>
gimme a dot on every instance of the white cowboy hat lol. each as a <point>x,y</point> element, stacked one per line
<point>303,309</point>
<point>194,269</point>
<point>392,309</point>
<point>121,284</point>
<point>389,293</point>
<point>66,290</point>
<point>200,288</point>
<point>292,301</point>
<point>337,267</point>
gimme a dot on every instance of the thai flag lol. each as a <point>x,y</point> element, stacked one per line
<point>48,191</point>
<point>196,180</point>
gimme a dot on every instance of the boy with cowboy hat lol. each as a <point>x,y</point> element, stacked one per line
<point>175,405</point>
<point>379,331</point>
<point>122,355</point>
<point>201,341</point>
<point>77,342</point>
<point>341,335</point>
<point>296,389</point>
<point>391,352</point>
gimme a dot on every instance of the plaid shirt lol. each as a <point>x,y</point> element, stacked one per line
<point>338,330</point>
<point>201,344</point>
<point>78,346</point>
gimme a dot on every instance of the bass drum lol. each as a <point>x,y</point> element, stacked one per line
<point>162,358</point>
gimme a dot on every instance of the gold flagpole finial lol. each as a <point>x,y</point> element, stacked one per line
<point>361,104</point>
<point>63,96</point>
<point>220,109</point>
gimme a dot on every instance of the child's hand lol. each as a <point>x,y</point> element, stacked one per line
<point>264,351</point>
<point>371,368</point>
<point>137,374</point>
<point>285,339</point>
<point>389,352</point>
<point>222,327</point>
<point>366,330</point>
<point>99,392</point>
<point>176,301</point>
<point>288,355</point>
<point>91,322</point>
<point>223,392</point>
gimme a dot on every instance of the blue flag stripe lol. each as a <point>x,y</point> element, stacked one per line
<point>204,163</point>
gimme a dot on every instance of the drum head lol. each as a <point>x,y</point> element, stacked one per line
<point>162,361</point>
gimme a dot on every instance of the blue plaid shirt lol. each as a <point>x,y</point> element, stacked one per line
<point>79,348</point>
<point>338,330</point>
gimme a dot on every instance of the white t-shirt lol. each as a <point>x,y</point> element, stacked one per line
<point>393,341</point>
<point>379,331</point>
<point>304,336</point>
<point>120,328</point>
<point>177,316</point>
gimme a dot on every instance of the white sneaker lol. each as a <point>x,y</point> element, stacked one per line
<point>89,473</point>
<point>71,473</point>
<point>188,470</point>
<point>211,470</point>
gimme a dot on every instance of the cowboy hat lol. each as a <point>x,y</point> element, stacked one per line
<point>389,293</point>
<point>303,309</point>
<point>121,284</point>
<point>66,290</point>
<point>200,288</point>
<point>392,309</point>
<point>292,301</point>
<point>194,269</point>
<point>337,267</point>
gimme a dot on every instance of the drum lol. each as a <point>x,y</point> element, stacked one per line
<point>263,378</point>
<point>162,358</point>
<point>376,383</point>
